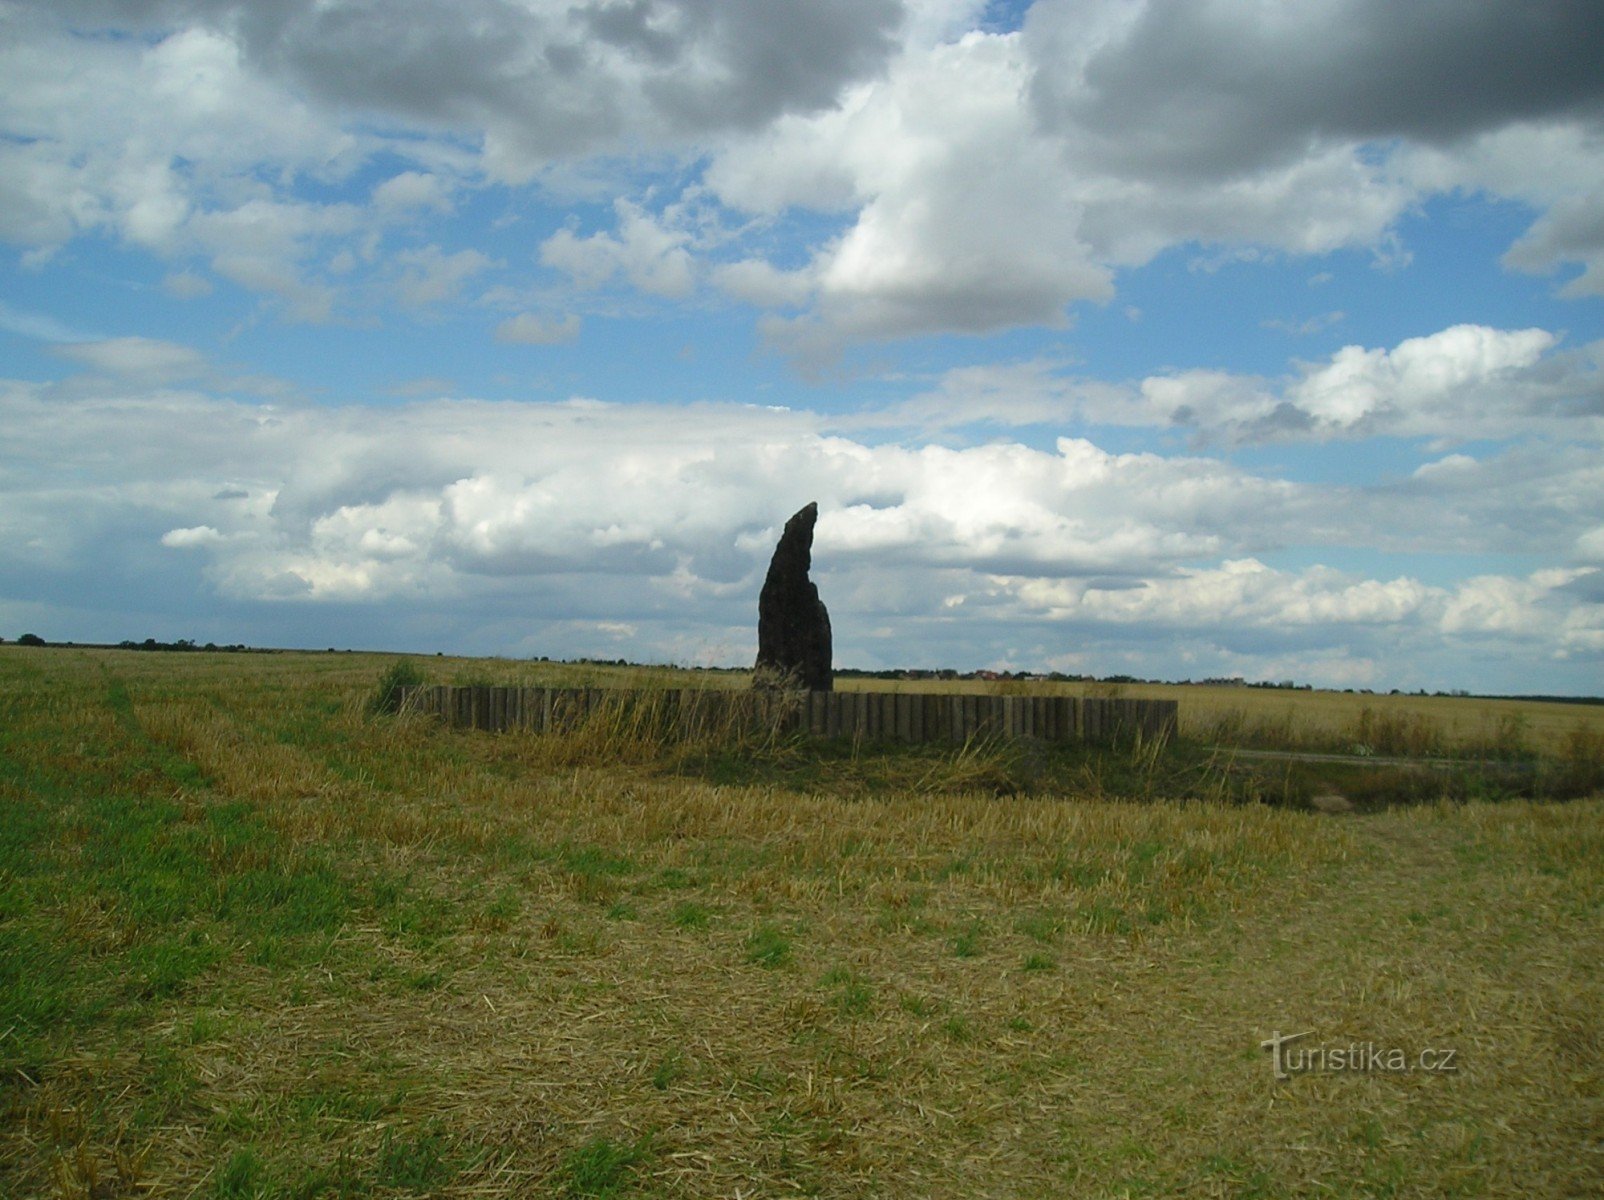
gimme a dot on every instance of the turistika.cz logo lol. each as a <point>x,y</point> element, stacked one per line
<point>1358,1058</point>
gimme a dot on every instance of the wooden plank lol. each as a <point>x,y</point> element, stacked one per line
<point>1097,720</point>
<point>908,717</point>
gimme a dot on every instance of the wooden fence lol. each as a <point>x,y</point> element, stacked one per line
<point>889,716</point>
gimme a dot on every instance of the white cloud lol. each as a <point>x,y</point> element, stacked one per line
<point>663,517</point>
<point>1412,385</point>
<point>1467,381</point>
<point>532,329</point>
<point>194,537</point>
<point>1241,592</point>
<point>973,181</point>
<point>40,326</point>
<point>965,219</point>
<point>411,191</point>
<point>652,256</point>
<point>144,359</point>
<point>431,276</point>
<point>761,283</point>
<point>994,180</point>
<point>1570,231</point>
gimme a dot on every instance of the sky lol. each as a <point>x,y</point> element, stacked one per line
<point>1168,338</point>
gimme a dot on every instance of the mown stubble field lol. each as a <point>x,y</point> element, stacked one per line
<point>255,941</point>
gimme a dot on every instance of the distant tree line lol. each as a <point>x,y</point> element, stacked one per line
<point>903,673</point>
<point>182,644</point>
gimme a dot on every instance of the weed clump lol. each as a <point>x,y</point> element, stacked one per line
<point>1579,768</point>
<point>386,697</point>
<point>603,1167</point>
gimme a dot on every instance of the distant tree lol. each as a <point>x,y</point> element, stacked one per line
<point>31,639</point>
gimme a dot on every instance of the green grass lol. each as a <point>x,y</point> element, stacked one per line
<point>603,1167</point>
<point>258,940</point>
<point>687,914</point>
<point>768,947</point>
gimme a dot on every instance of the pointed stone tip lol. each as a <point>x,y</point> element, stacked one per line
<point>802,521</point>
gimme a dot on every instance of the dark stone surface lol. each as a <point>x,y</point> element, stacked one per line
<point>793,626</point>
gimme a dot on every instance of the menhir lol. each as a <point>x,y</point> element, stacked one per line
<point>793,627</point>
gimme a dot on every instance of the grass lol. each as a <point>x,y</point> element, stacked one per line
<point>256,941</point>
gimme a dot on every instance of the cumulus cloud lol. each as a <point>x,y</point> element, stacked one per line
<point>1209,89</point>
<point>413,191</point>
<point>974,180</point>
<point>1107,132</point>
<point>431,276</point>
<point>646,251</point>
<point>662,518</point>
<point>1460,383</point>
<point>964,217</point>
<point>539,81</point>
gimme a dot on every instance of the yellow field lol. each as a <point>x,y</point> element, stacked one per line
<point>256,942</point>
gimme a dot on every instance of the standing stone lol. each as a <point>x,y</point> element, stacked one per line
<point>793,627</point>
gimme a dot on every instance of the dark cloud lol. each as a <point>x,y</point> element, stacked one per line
<point>546,82</point>
<point>1222,89</point>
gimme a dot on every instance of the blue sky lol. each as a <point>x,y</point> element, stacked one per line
<point>1111,336</point>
